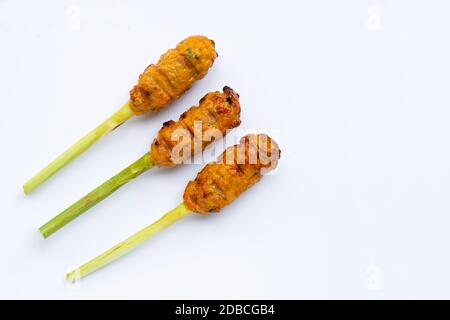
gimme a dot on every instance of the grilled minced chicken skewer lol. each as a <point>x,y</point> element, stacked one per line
<point>217,185</point>
<point>216,114</point>
<point>159,85</point>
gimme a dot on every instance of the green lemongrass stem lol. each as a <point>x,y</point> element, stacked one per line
<point>122,115</point>
<point>98,194</point>
<point>117,251</point>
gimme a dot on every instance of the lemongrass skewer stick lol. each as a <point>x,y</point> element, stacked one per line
<point>138,167</point>
<point>127,245</point>
<point>122,115</point>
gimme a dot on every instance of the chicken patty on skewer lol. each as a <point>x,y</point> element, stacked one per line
<point>158,85</point>
<point>175,72</point>
<point>216,111</point>
<point>217,185</point>
<point>236,170</point>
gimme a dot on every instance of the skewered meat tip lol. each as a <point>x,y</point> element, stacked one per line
<point>216,113</point>
<point>175,72</point>
<point>236,170</point>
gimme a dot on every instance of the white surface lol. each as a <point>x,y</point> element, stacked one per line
<point>356,93</point>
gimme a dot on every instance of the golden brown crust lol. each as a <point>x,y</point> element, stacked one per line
<point>217,112</point>
<point>237,169</point>
<point>175,72</point>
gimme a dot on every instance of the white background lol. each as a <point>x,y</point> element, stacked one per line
<point>356,93</point>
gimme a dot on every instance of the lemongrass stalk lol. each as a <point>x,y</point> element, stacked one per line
<point>122,115</point>
<point>117,251</point>
<point>98,194</point>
